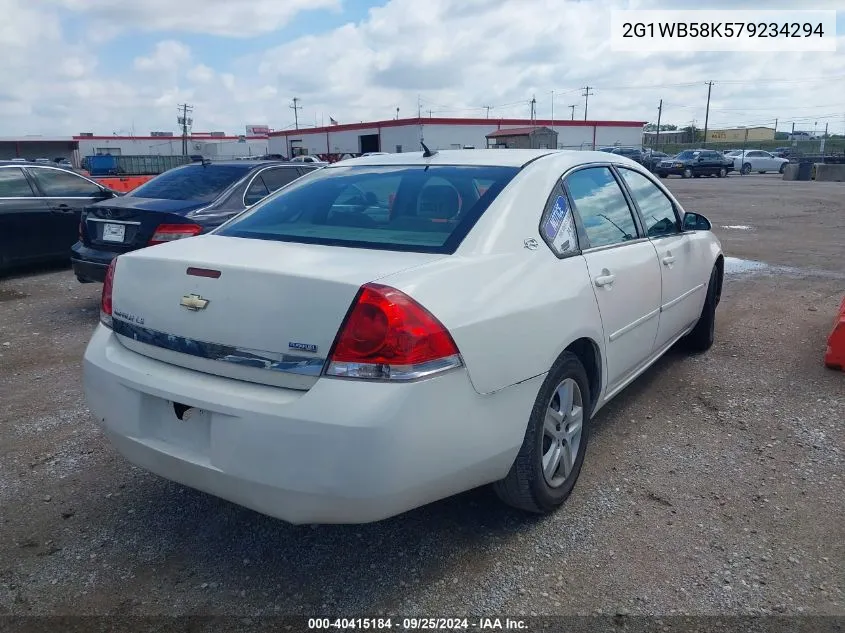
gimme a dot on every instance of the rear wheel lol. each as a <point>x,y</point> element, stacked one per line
<point>722,172</point>
<point>746,169</point>
<point>549,461</point>
<point>703,334</point>
<point>687,173</point>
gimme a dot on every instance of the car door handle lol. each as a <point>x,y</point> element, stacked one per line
<point>605,280</point>
<point>63,208</point>
<point>668,260</point>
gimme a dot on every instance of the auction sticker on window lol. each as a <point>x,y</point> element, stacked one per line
<point>559,228</point>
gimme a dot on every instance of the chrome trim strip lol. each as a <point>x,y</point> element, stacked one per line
<point>274,361</point>
<point>633,325</point>
<point>606,247</point>
<point>90,219</point>
<point>677,300</point>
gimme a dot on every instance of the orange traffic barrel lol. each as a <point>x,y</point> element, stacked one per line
<point>834,357</point>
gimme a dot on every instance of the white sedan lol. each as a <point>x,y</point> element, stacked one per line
<point>391,330</point>
<point>746,161</point>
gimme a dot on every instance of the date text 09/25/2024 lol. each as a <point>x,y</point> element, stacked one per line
<point>416,624</point>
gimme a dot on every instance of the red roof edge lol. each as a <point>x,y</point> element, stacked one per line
<point>450,121</point>
<point>202,137</point>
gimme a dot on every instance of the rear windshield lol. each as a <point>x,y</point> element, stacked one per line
<point>192,182</point>
<point>410,207</point>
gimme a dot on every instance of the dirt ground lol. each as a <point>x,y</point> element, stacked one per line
<point>713,485</point>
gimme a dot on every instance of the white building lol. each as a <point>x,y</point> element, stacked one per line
<point>75,148</point>
<point>205,145</point>
<point>403,135</point>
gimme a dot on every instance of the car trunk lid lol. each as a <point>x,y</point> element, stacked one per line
<point>255,310</point>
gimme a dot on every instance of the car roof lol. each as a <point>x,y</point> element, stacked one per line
<point>564,159</point>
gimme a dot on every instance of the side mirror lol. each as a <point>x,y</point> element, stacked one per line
<point>696,222</point>
<point>105,194</point>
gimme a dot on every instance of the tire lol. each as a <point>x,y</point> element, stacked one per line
<point>703,334</point>
<point>782,167</point>
<point>746,169</point>
<point>722,173</point>
<point>526,486</point>
<point>687,173</point>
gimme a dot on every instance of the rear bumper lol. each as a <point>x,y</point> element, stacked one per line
<point>343,452</point>
<point>90,265</point>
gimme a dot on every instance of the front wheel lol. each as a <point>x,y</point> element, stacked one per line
<point>549,461</point>
<point>746,169</point>
<point>722,172</point>
<point>687,173</point>
<point>782,168</point>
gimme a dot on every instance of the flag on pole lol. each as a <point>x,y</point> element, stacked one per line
<point>332,121</point>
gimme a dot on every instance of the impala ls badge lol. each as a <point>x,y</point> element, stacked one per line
<point>194,302</point>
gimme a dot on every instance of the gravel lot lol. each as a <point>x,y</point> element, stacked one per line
<point>713,485</point>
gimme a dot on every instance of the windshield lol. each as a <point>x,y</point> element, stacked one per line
<point>202,183</point>
<point>428,209</point>
<point>686,154</point>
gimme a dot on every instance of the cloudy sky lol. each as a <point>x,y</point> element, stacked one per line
<point>112,66</point>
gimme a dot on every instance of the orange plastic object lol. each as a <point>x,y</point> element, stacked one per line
<point>834,357</point>
<point>123,183</point>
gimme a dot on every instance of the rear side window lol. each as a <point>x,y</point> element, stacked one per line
<point>279,177</point>
<point>13,184</point>
<point>58,183</point>
<point>411,207</point>
<point>602,206</point>
<point>192,182</point>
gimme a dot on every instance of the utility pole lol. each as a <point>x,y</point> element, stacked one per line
<point>553,109</point>
<point>572,111</point>
<point>533,106</point>
<point>419,107</point>
<point>586,96</point>
<point>776,126</point>
<point>659,114</point>
<point>397,114</point>
<point>707,112</point>
<point>185,121</point>
<point>296,108</point>
<point>488,111</point>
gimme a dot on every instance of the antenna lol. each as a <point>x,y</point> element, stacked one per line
<point>427,153</point>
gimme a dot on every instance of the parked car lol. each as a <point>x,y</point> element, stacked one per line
<point>181,202</point>
<point>652,158</point>
<point>40,207</point>
<point>746,161</point>
<point>303,158</point>
<point>785,152</point>
<point>634,153</point>
<point>397,334</point>
<point>695,163</point>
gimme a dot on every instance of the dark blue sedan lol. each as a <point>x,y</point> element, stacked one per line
<point>179,203</point>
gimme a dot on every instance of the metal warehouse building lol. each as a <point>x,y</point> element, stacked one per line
<point>403,135</point>
<point>75,148</point>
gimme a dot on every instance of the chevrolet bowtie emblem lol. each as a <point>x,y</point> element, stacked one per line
<point>194,302</point>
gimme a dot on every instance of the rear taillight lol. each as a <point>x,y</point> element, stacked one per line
<point>389,336</point>
<point>170,232</point>
<point>105,301</point>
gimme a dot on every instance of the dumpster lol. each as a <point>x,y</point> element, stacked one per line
<point>805,170</point>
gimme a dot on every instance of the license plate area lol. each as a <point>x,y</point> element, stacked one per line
<point>179,425</point>
<point>114,232</point>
